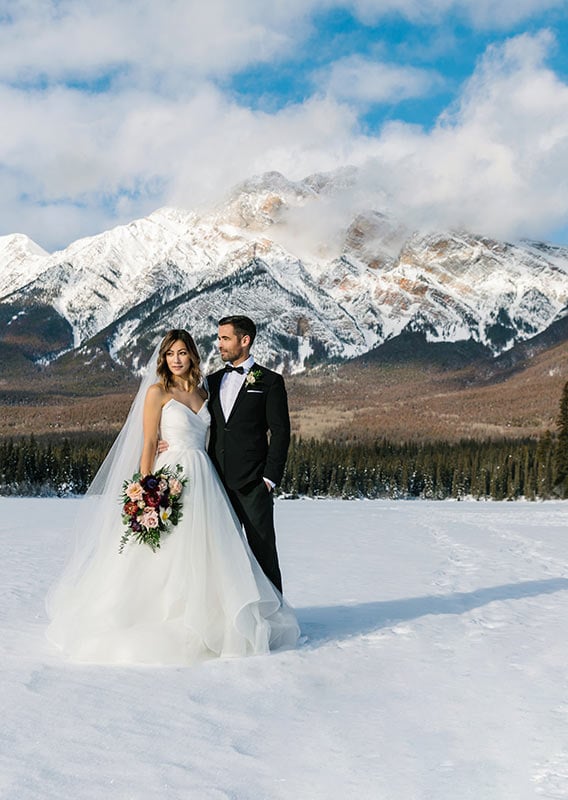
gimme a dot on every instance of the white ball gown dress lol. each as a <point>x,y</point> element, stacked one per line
<point>201,595</point>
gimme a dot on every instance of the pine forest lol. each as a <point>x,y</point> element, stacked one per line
<point>499,470</point>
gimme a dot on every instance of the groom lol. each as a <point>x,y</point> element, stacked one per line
<point>250,434</point>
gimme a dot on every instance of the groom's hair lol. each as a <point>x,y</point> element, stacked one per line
<point>243,326</point>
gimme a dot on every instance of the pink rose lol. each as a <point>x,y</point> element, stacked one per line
<point>176,487</point>
<point>134,491</point>
<point>149,518</point>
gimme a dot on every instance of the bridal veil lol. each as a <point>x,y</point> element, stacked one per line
<point>98,510</point>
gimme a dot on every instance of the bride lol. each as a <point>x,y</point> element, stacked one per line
<point>202,594</point>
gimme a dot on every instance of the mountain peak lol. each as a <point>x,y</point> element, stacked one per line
<point>321,285</point>
<point>19,244</point>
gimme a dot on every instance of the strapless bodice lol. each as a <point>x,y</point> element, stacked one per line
<point>183,428</point>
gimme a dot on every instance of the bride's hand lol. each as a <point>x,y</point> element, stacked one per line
<point>162,446</point>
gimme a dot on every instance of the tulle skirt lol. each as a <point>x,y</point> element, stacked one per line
<point>201,595</point>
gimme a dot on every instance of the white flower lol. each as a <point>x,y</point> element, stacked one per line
<point>253,377</point>
<point>165,514</point>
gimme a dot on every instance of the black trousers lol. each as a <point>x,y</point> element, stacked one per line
<point>254,507</point>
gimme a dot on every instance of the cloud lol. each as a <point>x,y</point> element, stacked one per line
<point>493,161</point>
<point>143,41</point>
<point>168,46</point>
<point>366,81</point>
<point>106,159</point>
<point>112,109</point>
<point>485,14</point>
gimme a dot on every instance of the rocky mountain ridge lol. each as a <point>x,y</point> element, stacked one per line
<point>323,284</point>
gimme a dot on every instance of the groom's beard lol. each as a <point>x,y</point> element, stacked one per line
<point>233,354</point>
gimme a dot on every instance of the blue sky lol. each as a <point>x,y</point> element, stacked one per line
<point>454,111</point>
<point>448,46</point>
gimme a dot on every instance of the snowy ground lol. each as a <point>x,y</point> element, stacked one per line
<point>436,668</point>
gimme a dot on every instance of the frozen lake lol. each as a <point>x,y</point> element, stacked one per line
<point>435,668</point>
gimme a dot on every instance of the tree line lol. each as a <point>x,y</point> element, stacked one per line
<point>498,470</point>
<point>43,467</point>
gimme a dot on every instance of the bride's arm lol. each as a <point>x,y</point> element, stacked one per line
<point>151,422</point>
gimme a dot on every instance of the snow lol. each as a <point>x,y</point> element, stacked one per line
<point>350,297</point>
<point>434,668</point>
<point>21,261</point>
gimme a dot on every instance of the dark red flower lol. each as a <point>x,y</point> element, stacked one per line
<point>152,499</point>
<point>131,508</point>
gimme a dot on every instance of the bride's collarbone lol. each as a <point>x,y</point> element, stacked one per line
<point>193,400</point>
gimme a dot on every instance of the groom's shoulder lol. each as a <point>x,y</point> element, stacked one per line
<point>217,374</point>
<point>214,378</point>
<point>269,374</point>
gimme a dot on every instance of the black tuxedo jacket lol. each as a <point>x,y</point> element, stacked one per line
<point>240,447</point>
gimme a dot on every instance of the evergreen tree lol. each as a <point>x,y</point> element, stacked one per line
<point>561,454</point>
<point>497,469</point>
<point>544,479</point>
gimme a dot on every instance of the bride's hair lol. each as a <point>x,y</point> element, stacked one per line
<point>164,372</point>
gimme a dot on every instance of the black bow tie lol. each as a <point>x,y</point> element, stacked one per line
<point>229,368</point>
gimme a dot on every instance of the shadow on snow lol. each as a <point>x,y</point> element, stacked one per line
<point>327,623</point>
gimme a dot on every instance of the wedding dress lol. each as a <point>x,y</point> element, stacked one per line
<point>201,595</point>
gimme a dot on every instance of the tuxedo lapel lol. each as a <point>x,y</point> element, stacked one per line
<point>238,398</point>
<point>241,394</point>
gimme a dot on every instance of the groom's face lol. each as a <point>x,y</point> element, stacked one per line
<point>233,347</point>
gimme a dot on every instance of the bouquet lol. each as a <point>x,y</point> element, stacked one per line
<point>150,505</point>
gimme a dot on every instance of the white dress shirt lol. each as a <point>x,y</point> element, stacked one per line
<point>231,384</point>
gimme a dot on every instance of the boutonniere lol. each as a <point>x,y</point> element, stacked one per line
<point>254,376</point>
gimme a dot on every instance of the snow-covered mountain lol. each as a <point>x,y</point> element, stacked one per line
<point>321,282</point>
<point>21,260</point>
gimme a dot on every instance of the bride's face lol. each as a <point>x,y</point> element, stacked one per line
<point>178,359</point>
